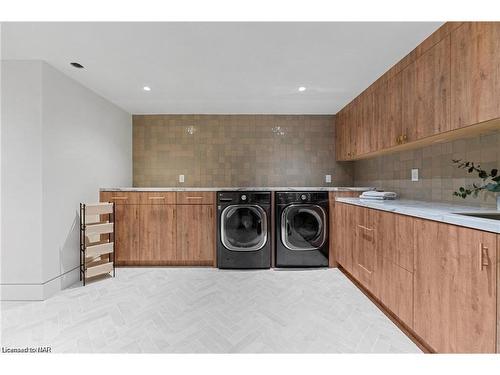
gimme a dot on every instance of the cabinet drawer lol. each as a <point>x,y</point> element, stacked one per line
<point>120,197</point>
<point>195,197</point>
<point>157,197</point>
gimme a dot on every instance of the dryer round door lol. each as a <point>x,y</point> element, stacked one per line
<point>303,227</point>
<point>243,227</point>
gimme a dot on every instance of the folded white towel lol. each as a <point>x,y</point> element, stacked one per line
<point>375,198</point>
<point>379,195</point>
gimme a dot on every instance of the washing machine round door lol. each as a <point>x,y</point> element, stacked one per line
<point>243,227</point>
<point>303,227</point>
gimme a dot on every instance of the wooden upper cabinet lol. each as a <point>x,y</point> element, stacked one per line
<point>426,93</point>
<point>455,284</point>
<point>350,123</point>
<point>475,73</point>
<point>363,129</point>
<point>345,143</point>
<point>450,81</point>
<point>393,112</point>
<point>386,111</point>
<point>339,135</point>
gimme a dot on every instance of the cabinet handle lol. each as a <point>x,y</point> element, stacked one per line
<point>117,198</point>
<point>364,268</point>
<point>365,228</point>
<point>194,197</point>
<point>483,249</point>
<point>152,198</point>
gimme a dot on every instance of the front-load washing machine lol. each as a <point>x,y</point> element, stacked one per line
<point>243,229</point>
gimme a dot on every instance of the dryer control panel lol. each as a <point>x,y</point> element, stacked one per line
<point>301,197</point>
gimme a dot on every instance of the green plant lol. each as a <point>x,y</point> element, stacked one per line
<point>491,180</point>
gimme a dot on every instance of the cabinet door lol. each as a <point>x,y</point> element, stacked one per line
<point>393,108</point>
<point>394,288</point>
<point>426,93</point>
<point>157,233</point>
<point>341,240</point>
<point>394,276</point>
<point>475,73</point>
<point>349,137</point>
<point>455,288</point>
<point>387,112</point>
<point>364,126</point>
<point>340,153</point>
<point>365,252</point>
<point>395,238</point>
<point>126,233</point>
<point>195,234</point>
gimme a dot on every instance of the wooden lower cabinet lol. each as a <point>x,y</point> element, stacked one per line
<point>395,289</point>
<point>195,234</point>
<point>338,226</point>
<point>126,233</point>
<point>364,256</point>
<point>395,238</point>
<point>440,280</point>
<point>455,288</point>
<point>157,233</point>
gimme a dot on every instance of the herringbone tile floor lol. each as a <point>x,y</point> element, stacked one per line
<point>204,310</point>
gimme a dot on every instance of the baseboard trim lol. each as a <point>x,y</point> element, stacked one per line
<point>39,292</point>
<point>164,263</point>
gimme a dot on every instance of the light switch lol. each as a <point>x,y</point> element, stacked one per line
<point>181,178</point>
<point>414,174</point>
<point>328,178</point>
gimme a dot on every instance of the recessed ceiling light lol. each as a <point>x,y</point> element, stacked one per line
<point>77,65</point>
<point>146,88</point>
<point>302,88</point>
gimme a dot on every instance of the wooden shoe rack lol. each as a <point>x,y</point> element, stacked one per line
<point>97,247</point>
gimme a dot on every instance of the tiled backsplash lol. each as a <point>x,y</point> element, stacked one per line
<point>438,177</point>
<point>236,150</point>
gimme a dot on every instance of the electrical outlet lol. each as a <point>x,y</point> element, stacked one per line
<point>328,178</point>
<point>181,178</point>
<point>414,174</point>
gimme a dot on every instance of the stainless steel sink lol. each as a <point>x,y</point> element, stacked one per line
<point>482,215</point>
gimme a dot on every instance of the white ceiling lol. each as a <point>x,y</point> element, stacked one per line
<point>220,67</point>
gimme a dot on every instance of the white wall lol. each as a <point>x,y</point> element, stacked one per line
<point>21,177</point>
<point>78,142</point>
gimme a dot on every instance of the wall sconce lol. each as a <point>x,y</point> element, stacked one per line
<point>278,130</point>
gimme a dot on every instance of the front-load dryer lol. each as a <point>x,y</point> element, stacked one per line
<point>243,229</point>
<point>302,229</point>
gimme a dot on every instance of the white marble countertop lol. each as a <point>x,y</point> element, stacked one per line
<point>446,213</point>
<point>247,188</point>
